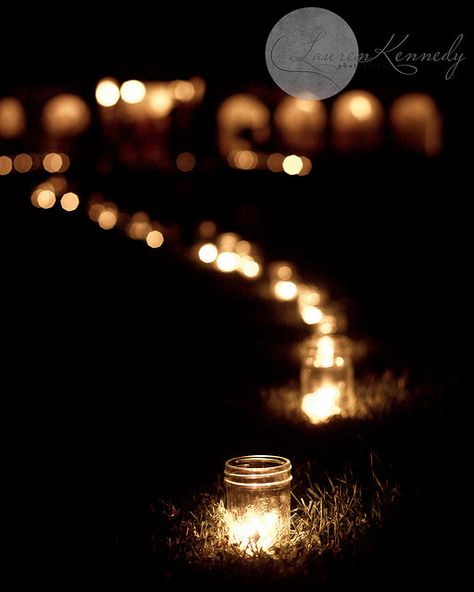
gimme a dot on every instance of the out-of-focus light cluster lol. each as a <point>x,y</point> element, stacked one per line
<point>153,99</point>
<point>248,160</point>
<point>46,194</point>
<point>138,226</point>
<point>228,253</point>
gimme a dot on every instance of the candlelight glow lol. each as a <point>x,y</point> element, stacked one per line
<point>285,290</point>
<point>69,201</point>
<point>245,160</point>
<point>253,532</point>
<point>292,165</point>
<point>275,162</point>
<point>417,123</point>
<point>249,267</point>
<point>12,118</point>
<point>227,261</point>
<point>139,226</point>
<point>207,229</point>
<point>185,162</point>
<point>6,165</point>
<point>66,115</point>
<point>360,107</point>
<point>52,162</point>
<point>182,90</point>
<point>107,92</point>
<point>154,239</point>
<point>284,272</point>
<point>46,199</point>
<point>325,353</point>
<point>311,315</point>
<point>208,253</point>
<point>23,163</point>
<point>107,218</point>
<point>159,100</point>
<point>321,404</point>
<point>238,114</point>
<point>357,118</point>
<point>301,123</point>
<point>132,91</point>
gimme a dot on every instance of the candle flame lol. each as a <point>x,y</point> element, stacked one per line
<point>322,404</point>
<point>253,532</point>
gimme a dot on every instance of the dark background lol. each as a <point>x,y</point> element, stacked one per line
<point>135,374</point>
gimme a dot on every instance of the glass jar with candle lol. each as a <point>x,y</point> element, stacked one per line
<point>327,377</point>
<point>258,492</point>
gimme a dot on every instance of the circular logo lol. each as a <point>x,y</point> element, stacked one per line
<point>311,53</point>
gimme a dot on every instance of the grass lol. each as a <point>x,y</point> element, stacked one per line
<point>332,520</point>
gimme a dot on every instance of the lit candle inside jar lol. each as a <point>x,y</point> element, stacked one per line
<point>327,378</point>
<point>258,502</point>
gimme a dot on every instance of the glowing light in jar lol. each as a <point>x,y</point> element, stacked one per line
<point>325,353</point>
<point>253,532</point>
<point>321,404</point>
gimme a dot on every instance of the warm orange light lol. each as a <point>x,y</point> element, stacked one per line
<point>107,218</point>
<point>139,226</point>
<point>158,99</point>
<point>254,532</point>
<point>311,315</point>
<point>208,253</point>
<point>301,123</point>
<point>285,290</point>
<point>249,267</point>
<point>46,199</point>
<point>275,162</point>
<point>155,239</point>
<point>245,160</point>
<point>12,118</point>
<point>56,183</point>
<point>70,201</point>
<point>284,272</point>
<point>23,163</point>
<point>207,229</point>
<point>95,210</point>
<point>307,166</point>
<point>107,92</point>
<point>325,353</point>
<point>132,91</point>
<point>417,123</point>
<point>238,113</point>
<point>52,162</point>
<point>6,165</point>
<point>182,90</point>
<point>185,162</point>
<point>322,404</point>
<point>66,115</point>
<point>292,165</point>
<point>357,118</point>
<point>243,247</point>
<point>227,261</point>
<point>360,107</point>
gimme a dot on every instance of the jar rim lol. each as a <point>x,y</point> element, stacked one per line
<point>258,470</point>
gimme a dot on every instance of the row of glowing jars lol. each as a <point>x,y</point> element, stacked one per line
<point>326,379</point>
<point>137,119</point>
<point>357,122</point>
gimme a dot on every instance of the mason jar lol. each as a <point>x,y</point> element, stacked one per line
<point>327,377</point>
<point>258,495</point>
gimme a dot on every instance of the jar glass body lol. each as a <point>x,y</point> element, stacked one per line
<point>258,496</point>
<point>327,377</point>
